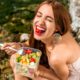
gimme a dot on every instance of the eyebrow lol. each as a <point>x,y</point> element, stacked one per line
<point>47,16</point>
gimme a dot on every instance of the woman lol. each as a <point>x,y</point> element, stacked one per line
<point>52,35</point>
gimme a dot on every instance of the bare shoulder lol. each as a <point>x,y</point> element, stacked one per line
<point>60,53</point>
<point>61,49</point>
<point>63,53</point>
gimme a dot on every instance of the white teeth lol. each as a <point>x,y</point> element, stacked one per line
<point>40,28</point>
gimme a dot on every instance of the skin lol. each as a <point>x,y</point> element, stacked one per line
<point>45,20</point>
<point>60,54</point>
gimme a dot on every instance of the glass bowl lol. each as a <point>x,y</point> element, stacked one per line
<point>27,61</point>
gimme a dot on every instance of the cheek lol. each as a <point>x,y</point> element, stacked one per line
<point>34,22</point>
<point>33,27</point>
<point>51,27</point>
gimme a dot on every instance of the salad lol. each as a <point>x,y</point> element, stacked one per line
<point>28,61</point>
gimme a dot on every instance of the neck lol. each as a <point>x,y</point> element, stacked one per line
<point>66,37</point>
<point>49,42</point>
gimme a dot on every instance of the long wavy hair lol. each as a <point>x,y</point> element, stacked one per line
<point>62,18</point>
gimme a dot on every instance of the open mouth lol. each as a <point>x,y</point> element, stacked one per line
<point>40,30</point>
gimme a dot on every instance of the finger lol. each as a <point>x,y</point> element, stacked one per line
<point>5,45</point>
<point>12,63</point>
<point>8,44</point>
<point>15,45</point>
<point>10,52</point>
<point>36,74</point>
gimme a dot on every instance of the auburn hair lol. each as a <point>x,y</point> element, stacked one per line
<point>62,19</point>
<point>61,15</point>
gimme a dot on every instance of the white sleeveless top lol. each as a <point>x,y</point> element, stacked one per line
<point>74,69</point>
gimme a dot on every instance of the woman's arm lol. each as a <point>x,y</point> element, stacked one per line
<point>13,45</point>
<point>46,73</point>
<point>7,47</point>
<point>60,67</point>
<point>16,75</point>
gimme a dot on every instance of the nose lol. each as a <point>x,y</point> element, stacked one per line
<point>41,22</point>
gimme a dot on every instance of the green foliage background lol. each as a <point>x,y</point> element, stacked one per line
<point>16,15</point>
<point>15,18</point>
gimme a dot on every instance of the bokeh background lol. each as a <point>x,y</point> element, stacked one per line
<point>15,20</point>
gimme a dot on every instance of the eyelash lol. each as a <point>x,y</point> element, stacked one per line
<point>49,20</point>
<point>38,15</point>
<point>46,18</point>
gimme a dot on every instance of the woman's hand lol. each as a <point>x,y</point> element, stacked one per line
<point>40,73</point>
<point>7,47</point>
<point>45,74</point>
<point>13,66</point>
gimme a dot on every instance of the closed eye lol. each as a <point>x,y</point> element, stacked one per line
<point>50,20</point>
<point>39,14</point>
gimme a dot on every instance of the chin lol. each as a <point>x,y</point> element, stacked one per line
<point>38,37</point>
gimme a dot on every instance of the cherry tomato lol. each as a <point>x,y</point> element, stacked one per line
<point>29,51</point>
<point>32,60</point>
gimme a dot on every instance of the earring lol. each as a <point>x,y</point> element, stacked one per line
<point>57,37</point>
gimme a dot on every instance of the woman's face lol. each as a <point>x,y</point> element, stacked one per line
<point>43,23</point>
